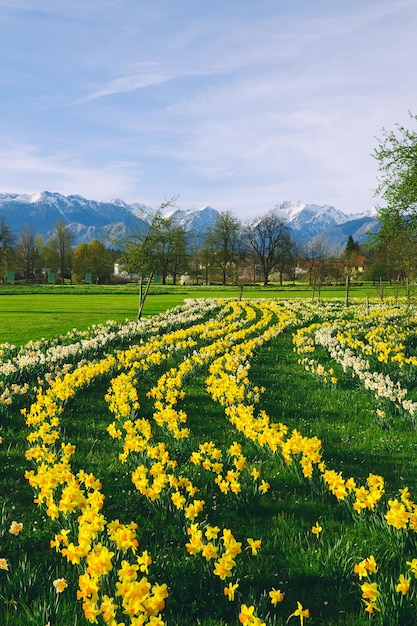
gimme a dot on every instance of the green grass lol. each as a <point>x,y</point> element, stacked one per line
<point>32,312</point>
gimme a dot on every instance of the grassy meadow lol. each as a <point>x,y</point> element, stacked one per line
<point>33,312</point>
<point>220,463</point>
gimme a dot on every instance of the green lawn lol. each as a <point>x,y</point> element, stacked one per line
<point>37,311</point>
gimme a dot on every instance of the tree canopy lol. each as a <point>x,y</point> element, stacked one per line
<point>397,158</point>
<point>396,240</point>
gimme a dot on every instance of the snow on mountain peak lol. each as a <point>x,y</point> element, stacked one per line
<point>371,212</point>
<point>294,211</point>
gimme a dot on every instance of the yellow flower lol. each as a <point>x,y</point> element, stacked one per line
<point>316,530</point>
<point>264,486</point>
<point>364,567</point>
<point>413,566</point>
<point>212,532</point>
<point>4,564</point>
<point>108,608</point>
<point>60,584</point>
<point>397,516</point>
<point>209,551</point>
<point>255,473</point>
<point>229,591</point>
<point>276,596</point>
<point>246,614</point>
<point>144,561</point>
<point>222,567</point>
<point>370,591</point>
<point>403,585</point>
<point>254,544</point>
<point>128,572</point>
<point>301,613</point>
<point>370,607</point>
<point>15,528</point>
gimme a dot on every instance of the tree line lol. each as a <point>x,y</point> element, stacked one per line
<point>228,252</point>
<point>32,259</point>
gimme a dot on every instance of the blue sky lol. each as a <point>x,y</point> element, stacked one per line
<point>238,104</point>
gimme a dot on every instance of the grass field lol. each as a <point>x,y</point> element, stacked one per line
<point>236,376</point>
<point>37,311</point>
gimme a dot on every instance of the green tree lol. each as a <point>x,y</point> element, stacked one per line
<point>93,257</point>
<point>397,237</point>
<point>170,247</point>
<point>142,250</point>
<point>397,159</point>
<point>352,248</point>
<point>207,255</point>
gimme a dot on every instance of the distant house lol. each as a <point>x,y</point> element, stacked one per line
<point>119,272</point>
<point>358,264</point>
<point>185,279</point>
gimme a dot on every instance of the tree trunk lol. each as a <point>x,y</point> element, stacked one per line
<point>143,293</point>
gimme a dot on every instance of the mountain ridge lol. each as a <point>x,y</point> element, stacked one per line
<point>93,219</point>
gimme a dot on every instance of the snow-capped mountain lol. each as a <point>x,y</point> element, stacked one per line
<point>195,222</point>
<point>90,219</point>
<point>309,220</point>
<point>87,219</point>
<point>335,238</point>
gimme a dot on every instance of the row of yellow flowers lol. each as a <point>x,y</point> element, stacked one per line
<point>209,541</point>
<point>65,494</point>
<point>123,384</point>
<point>360,344</point>
<point>62,492</point>
<point>401,513</point>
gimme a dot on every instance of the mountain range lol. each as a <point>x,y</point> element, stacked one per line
<point>91,219</point>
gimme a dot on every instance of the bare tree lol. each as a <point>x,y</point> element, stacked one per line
<point>6,241</point>
<point>59,250</point>
<point>270,240</point>
<point>26,253</point>
<point>224,238</point>
<point>316,255</point>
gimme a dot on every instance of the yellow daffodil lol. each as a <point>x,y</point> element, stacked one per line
<point>301,613</point>
<point>276,596</point>
<point>60,584</point>
<point>229,591</point>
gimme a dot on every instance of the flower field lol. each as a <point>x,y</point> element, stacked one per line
<point>226,462</point>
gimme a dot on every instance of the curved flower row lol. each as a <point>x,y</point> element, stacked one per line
<point>50,358</point>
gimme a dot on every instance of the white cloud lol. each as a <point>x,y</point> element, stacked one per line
<point>24,168</point>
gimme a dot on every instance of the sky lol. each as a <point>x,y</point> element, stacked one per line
<point>235,104</point>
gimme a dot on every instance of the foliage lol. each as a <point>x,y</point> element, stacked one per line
<point>92,258</point>
<point>397,159</point>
